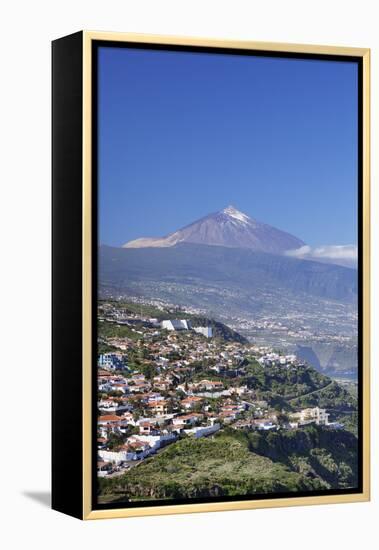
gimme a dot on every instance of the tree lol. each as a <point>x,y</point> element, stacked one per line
<point>149,371</point>
<point>282,418</point>
<point>115,441</point>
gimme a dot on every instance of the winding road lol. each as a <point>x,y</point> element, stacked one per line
<point>310,392</point>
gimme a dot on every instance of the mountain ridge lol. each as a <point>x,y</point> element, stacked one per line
<point>216,265</point>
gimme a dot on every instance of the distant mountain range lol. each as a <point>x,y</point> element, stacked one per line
<point>229,228</point>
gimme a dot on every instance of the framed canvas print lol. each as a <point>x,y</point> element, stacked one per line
<point>210,275</point>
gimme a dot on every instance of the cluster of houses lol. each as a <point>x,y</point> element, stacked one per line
<point>112,361</point>
<point>144,407</point>
<point>272,359</point>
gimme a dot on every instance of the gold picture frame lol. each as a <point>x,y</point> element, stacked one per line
<point>83,48</point>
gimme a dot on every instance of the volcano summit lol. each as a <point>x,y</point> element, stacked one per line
<point>229,228</point>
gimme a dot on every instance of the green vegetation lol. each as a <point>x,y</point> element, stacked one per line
<point>195,468</point>
<point>298,386</point>
<point>107,329</point>
<point>325,454</point>
<point>288,382</point>
<point>106,348</point>
<point>332,397</point>
<point>237,463</point>
<point>350,422</point>
<point>349,385</point>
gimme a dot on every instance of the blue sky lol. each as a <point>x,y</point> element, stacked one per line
<point>185,134</point>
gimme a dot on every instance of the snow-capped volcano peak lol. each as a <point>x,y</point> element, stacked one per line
<point>228,227</point>
<point>236,214</point>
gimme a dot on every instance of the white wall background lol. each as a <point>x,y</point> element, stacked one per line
<point>27,29</point>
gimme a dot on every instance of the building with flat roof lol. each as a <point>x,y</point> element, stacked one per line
<point>183,324</point>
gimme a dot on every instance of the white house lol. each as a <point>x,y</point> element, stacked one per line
<point>266,425</point>
<point>202,431</point>
<point>186,419</point>
<point>136,451</point>
<point>316,415</point>
<point>154,441</point>
<point>175,324</point>
<point>205,331</point>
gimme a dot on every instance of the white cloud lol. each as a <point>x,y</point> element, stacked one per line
<point>346,255</point>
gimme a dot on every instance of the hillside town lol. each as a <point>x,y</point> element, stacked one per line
<point>163,379</point>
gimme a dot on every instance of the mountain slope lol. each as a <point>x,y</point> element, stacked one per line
<point>195,468</point>
<point>228,228</point>
<point>235,463</point>
<point>228,269</point>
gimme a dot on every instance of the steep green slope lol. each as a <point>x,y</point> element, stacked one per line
<point>328,455</point>
<point>298,386</point>
<point>221,466</point>
<point>236,463</point>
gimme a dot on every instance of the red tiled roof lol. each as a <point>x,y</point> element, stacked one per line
<point>109,418</point>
